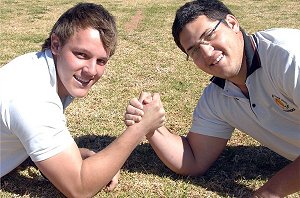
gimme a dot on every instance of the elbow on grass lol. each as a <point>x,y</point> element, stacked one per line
<point>190,172</point>
<point>81,192</point>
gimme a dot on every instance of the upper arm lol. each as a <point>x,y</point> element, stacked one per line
<point>209,132</point>
<point>64,169</point>
<point>205,150</point>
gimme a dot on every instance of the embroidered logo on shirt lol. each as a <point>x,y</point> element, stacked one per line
<point>282,104</point>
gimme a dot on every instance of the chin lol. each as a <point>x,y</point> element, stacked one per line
<point>79,94</point>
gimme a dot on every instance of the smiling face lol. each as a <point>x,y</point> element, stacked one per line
<point>79,63</point>
<point>221,54</point>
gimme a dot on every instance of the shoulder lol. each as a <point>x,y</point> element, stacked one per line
<point>279,54</point>
<point>278,48</point>
<point>210,97</point>
<point>25,64</point>
<point>28,57</point>
<point>279,40</point>
<point>28,73</point>
<point>279,35</point>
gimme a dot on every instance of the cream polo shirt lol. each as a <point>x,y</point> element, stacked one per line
<point>32,121</point>
<point>271,115</point>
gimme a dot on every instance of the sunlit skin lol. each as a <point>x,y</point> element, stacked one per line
<point>80,63</point>
<point>223,56</point>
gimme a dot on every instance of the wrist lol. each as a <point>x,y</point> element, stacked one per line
<point>153,132</point>
<point>150,134</point>
<point>140,129</point>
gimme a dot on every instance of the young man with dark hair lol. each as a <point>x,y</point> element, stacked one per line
<point>255,88</point>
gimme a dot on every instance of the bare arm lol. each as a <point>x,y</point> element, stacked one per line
<point>191,155</point>
<point>283,183</point>
<point>85,153</point>
<point>76,177</point>
<point>194,154</point>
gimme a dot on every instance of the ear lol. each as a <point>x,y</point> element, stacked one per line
<point>55,44</point>
<point>232,23</point>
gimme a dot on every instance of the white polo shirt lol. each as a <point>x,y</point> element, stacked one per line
<point>271,115</point>
<point>32,121</point>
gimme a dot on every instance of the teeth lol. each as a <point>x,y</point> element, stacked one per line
<point>218,59</point>
<point>81,80</point>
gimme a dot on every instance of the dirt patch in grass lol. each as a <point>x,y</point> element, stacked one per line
<point>134,22</point>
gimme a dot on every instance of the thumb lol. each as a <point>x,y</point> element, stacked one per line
<point>156,97</point>
<point>145,98</point>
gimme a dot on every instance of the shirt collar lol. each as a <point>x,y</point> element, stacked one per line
<point>51,67</point>
<point>252,58</point>
<point>53,77</point>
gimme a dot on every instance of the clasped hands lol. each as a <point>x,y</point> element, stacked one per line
<point>148,109</point>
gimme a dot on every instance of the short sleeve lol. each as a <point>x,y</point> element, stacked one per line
<point>206,119</point>
<point>40,126</point>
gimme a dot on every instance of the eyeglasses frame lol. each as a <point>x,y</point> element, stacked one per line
<point>201,40</point>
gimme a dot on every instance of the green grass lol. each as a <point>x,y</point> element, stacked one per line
<point>146,59</point>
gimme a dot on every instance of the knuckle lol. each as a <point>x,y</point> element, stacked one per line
<point>132,101</point>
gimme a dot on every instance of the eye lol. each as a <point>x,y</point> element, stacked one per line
<point>80,55</point>
<point>194,50</point>
<point>101,62</point>
<point>209,35</point>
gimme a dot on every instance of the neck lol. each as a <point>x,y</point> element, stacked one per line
<point>241,81</point>
<point>61,90</point>
<point>244,90</point>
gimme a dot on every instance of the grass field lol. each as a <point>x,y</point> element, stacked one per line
<point>147,59</point>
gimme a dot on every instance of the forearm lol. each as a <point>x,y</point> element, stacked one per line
<point>118,151</point>
<point>98,170</point>
<point>76,177</point>
<point>283,183</point>
<point>173,150</point>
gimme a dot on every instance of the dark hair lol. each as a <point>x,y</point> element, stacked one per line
<point>213,9</point>
<point>82,16</point>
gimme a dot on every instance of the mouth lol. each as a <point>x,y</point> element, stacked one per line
<point>82,81</point>
<point>217,60</point>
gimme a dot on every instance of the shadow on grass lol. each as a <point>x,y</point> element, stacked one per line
<point>228,175</point>
<point>238,163</point>
<point>27,181</point>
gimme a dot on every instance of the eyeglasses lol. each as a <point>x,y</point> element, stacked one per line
<point>205,39</point>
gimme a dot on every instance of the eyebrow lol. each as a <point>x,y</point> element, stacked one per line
<point>188,49</point>
<point>208,29</point>
<point>83,50</point>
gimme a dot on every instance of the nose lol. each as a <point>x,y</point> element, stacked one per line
<point>205,50</point>
<point>91,67</point>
